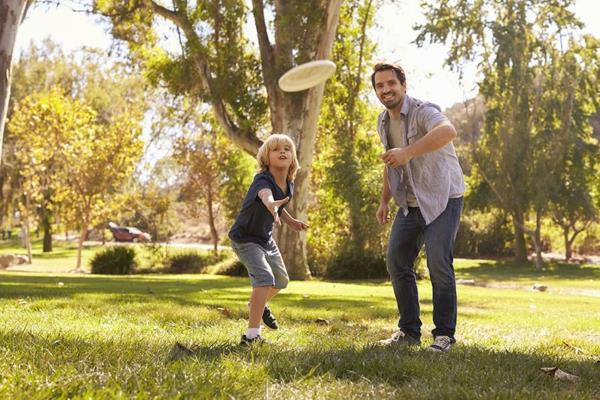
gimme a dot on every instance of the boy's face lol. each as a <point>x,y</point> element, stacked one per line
<point>280,156</point>
<point>388,88</point>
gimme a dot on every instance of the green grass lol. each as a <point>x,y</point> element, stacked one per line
<point>78,336</point>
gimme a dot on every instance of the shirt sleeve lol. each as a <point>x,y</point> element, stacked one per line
<point>260,183</point>
<point>429,117</point>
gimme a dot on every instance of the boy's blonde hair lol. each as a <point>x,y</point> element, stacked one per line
<point>273,141</point>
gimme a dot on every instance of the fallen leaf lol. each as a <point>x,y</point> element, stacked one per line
<point>180,351</point>
<point>224,311</point>
<point>60,284</point>
<point>539,287</point>
<point>321,321</point>
<point>559,374</point>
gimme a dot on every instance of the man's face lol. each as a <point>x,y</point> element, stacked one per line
<point>388,88</point>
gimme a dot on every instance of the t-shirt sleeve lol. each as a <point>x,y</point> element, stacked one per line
<point>429,117</point>
<point>260,183</point>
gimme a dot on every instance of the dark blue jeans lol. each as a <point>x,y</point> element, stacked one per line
<point>408,235</point>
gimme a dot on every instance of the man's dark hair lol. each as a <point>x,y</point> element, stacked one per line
<point>384,66</point>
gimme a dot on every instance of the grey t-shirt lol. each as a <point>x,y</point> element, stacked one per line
<point>395,138</point>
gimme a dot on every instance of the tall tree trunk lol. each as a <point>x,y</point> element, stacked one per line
<point>568,244</point>
<point>25,226</point>
<point>520,250</point>
<point>46,222</point>
<point>80,248</point>
<point>11,15</point>
<point>537,242</point>
<point>211,220</point>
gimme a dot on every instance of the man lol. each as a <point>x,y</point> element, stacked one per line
<point>424,177</point>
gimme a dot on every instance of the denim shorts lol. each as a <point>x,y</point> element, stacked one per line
<point>264,264</point>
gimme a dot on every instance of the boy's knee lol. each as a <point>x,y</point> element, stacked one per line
<point>264,278</point>
<point>281,281</point>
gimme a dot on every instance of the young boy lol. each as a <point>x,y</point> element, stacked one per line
<point>251,234</point>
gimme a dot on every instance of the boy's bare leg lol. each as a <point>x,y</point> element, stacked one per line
<point>272,292</point>
<point>258,299</point>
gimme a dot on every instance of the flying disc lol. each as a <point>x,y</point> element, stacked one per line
<point>307,75</point>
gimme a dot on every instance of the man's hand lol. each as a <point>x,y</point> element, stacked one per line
<point>273,207</point>
<point>383,213</point>
<point>396,157</point>
<point>296,225</point>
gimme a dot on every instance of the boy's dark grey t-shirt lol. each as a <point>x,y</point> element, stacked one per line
<point>254,223</point>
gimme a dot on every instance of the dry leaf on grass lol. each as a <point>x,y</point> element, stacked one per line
<point>560,375</point>
<point>180,351</point>
<point>225,311</point>
<point>321,321</point>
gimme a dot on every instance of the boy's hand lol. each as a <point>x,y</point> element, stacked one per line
<point>297,225</point>
<point>273,207</point>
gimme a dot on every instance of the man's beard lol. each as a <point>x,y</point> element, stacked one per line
<point>392,103</point>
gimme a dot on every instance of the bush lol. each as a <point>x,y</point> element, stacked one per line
<point>191,262</point>
<point>484,235</point>
<point>355,266</point>
<point>231,267</point>
<point>117,260</point>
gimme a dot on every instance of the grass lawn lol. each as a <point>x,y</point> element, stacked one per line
<point>84,336</point>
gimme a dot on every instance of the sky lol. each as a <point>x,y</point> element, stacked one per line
<point>427,78</point>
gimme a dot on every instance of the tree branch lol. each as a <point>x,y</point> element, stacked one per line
<point>246,140</point>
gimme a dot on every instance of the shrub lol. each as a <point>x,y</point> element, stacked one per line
<point>191,262</point>
<point>356,266</point>
<point>231,267</point>
<point>117,260</point>
<point>484,235</point>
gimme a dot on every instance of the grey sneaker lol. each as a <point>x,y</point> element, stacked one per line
<point>442,344</point>
<point>400,338</point>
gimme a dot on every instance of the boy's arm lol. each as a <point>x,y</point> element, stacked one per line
<point>292,222</point>
<point>272,205</point>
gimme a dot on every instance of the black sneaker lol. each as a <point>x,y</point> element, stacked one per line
<point>442,344</point>
<point>269,319</point>
<point>400,338</point>
<point>251,342</point>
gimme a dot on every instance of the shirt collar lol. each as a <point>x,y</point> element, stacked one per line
<point>403,110</point>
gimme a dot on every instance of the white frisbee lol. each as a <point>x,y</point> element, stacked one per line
<point>307,75</point>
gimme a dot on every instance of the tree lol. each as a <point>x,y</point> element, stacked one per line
<point>344,234</point>
<point>38,126</point>
<point>218,66</point>
<point>199,156</point>
<point>570,98</point>
<point>510,40</point>
<point>110,87</point>
<point>98,159</point>
<point>12,13</point>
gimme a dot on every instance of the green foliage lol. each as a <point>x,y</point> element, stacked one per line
<point>191,262</point>
<point>117,260</point>
<point>349,265</point>
<point>347,169</point>
<point>231,267</point>
<point>483,235</point>
<point>538,100</point>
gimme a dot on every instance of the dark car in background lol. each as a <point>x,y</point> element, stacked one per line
<point>128,233</point>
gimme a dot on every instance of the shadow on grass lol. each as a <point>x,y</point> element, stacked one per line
<point>24,285</point>
<point>466,372</point>
<point>511,270</point>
